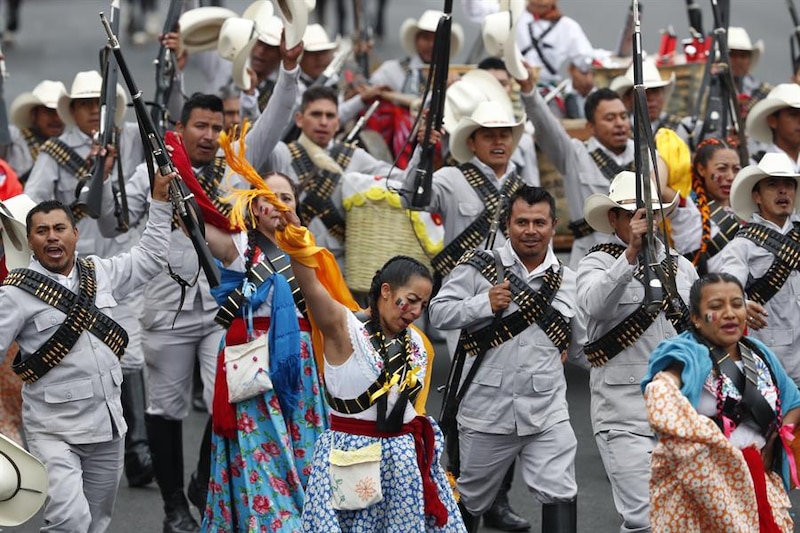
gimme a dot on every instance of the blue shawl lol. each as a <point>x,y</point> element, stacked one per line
<point>284,331</point>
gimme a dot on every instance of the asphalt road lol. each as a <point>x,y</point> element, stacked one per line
<point>57,38</point>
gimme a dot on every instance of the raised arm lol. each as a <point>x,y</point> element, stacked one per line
<point>329,315</point>
<point>221,244</point>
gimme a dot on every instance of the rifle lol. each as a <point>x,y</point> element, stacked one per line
<point>182,201</point>
<point>624,45</point>
<point>90,196</point>
<point>363,37</point>
<point>423,181</point>
<point>353,135</point>
<point>453,394</point>
<point>292,132</point>
<point>723,112</point>
<point>5,133</point>
<point>644,149</point>
<point>166,66</point>
<point>794,39</point>
<point>695,18</point>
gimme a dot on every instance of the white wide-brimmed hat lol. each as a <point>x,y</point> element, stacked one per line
<point>46,93</point>
<point>651,78</point>
<point>236,39</point>
<point>200,27</point>
<point>782,96</point>
<point>316,39</point>
<point>295,20</point>
<point>499,33</point>
<point>429,21</point>
<point>15,239</point>
<point>463,96</point>
<point>269,32</point>
<point>622,194</point>
<point>486,115</point>
<point>88,84</point>
<point>738,39</point>
<point>772,164</point>
<point>23,484</point>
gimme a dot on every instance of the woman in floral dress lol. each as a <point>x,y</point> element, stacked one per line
<point>262,447</point>
<point>724,410</point>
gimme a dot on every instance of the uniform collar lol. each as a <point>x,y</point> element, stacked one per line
<point>483,167</point>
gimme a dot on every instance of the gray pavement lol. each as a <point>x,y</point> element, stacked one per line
<point>60,37</point>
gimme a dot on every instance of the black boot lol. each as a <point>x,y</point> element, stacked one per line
<point>500,515</point>
<point>560,517</point>
<point>138,464</point>
<point>166,447</point>
<point>197,491</point>
<point>471,522</point>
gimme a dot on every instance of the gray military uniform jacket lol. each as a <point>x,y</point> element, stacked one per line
<point>520,387</point>
<point>744,259</point>
<point>79,400</point>
<point>607,293</point>
<point>392,74</point>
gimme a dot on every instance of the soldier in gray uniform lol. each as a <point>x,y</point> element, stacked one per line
<point>178,319</point>
<point>34,119</point>
<point>515,404</point>
<point>72,412</point>
<point>763,255</point>
<point>316,162</point>
<point>587,168</point>
<point>622,330</point>
<point>62,163</point>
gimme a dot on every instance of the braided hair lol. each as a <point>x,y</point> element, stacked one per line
<point>705,151</point>
<point>397,271</point>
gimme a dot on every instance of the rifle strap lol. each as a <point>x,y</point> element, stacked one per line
<point>476,232</point>
<point>275,261</point>
<point>631,328</point>
<point>534,308</point>
<point>81,315</point>
<point>785,248</point>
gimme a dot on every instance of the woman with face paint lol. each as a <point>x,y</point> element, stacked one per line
<point>262,446</point>
<point>714,166</point>
<point>724,410</point>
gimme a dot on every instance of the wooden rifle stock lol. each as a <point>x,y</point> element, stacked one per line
<point>166,65</point>
<point>182,201</point>
<point>423,181</point>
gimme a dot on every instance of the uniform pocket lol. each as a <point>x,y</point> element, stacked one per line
<point>69,391</point>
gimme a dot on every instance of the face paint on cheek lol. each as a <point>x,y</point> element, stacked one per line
<point>711,317</point>
<point>402,305</point>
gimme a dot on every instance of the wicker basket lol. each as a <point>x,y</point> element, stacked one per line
<point>377,229</point>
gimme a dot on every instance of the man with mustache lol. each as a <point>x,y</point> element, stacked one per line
<point>762,255</point>
<point>774,123</point>
<point>59,309</point>
<point>515,404</point>
<point>178,320</point>
<point>34,119</point>
<point>62,163</point>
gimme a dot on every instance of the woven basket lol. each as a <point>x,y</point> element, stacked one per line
<point>375,232</point>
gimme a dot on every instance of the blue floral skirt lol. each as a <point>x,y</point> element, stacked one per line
<point>258,479</point>
<point>400,510</point>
